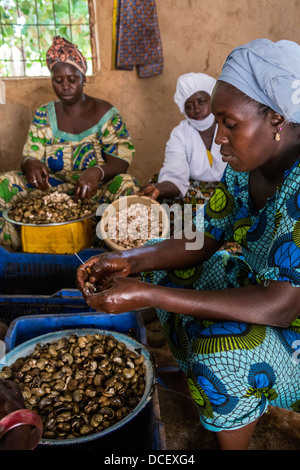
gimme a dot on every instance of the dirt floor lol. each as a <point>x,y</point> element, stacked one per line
<point>183,430</point>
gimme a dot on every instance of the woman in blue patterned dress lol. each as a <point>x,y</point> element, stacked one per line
<point>77,143</point>
<point>231,321</point>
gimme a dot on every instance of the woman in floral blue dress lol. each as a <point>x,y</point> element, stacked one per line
<point>231,321</point>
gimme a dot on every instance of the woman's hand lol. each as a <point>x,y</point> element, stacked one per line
<point>101,270</point>
<point>151,191</point>
<point>11,398</point>
<point>36,173</point>
<point>163,189</point>
<point>88,183</point>
<point>116,293</point>
<point>123,295</point>
<point>19,437</point>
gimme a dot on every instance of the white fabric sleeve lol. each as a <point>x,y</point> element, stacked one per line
<point>176,167</point>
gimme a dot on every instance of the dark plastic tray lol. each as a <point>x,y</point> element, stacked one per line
<point>25,328</point>
<point>39,273</point>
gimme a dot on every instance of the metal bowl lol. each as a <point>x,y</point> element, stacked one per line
<point>6,217</point>
<point>26,348</point>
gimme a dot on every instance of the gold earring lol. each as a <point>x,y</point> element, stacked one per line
<point>277,135</point>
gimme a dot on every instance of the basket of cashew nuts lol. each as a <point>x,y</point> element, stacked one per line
<point>131,221</point>
<point>83,383</point>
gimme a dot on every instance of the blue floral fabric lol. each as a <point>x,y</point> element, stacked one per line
<point>235,370</point>
<point>270,237</point>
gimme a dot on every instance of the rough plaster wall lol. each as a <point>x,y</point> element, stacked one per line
<point>197,35</point>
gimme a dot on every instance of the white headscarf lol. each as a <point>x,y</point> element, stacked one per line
<point>190,83</point>
<point>268,72</point>
<point>187,85</point>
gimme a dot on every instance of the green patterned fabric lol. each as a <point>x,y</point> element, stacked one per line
<point>198,193</point>
<point>65,152</point>
<point>66,156</point>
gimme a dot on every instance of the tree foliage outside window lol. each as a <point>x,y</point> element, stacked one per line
<point>27,28</point>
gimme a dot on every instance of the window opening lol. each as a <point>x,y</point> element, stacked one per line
<point>28,26</point>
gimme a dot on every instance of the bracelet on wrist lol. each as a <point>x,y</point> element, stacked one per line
<point>28,158</point>
<point>102,171</point>
<point>21,418</point>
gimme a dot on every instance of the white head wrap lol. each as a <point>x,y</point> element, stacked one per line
<point>267,72</point>
<point>190,83</point>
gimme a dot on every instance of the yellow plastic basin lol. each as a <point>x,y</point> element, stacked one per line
<point>63,238</point>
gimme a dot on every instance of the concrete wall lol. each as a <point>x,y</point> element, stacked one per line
<point>197,35</point>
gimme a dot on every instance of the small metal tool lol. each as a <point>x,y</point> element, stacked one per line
<point>89,287</point>
<point>88,270</point>
<point>82,262</point>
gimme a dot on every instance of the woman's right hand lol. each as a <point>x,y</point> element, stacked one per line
<point>151,190</point>
<point>36,173</point>
<point>88,184</point>
<point>100,270</point>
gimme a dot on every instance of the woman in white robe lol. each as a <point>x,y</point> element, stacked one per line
<point>193,164</point>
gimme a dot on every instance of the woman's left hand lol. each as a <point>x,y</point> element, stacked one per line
<point>11,398</point>
<point>88,184</point>
<point>123,295</point>
<point>19,437</point>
